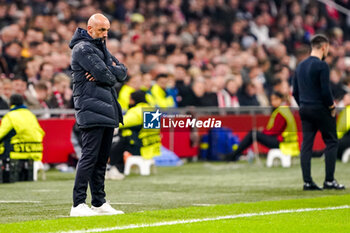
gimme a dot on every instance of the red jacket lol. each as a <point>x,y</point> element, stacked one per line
<point>278,127</point>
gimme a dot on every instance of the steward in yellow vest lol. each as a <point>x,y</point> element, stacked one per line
<point>133,137</point>
<point>343,122</point>
<point>158,95</point>
<point>124,96</point>
<point>343,130</point>
<point>20,133</point>
<point>280,132</point>
<point>343,127</point>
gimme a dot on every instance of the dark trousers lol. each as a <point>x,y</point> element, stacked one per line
<point>314,118</point>
<point>266,140</point>
<point>91,169</point>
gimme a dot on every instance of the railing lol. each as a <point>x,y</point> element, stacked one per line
<point>197,111</point>
<point>194,111</point>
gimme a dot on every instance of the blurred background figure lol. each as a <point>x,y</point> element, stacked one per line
<point>133,138</point>
<point>280,131</point>
<point>3,102</point>
<point>62,93</point>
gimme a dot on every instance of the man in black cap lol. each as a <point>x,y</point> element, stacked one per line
<point>311,90</point>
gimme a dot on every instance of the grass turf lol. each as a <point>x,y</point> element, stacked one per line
<point>196,183</point>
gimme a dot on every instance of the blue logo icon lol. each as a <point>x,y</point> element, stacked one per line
<point>151,120</point>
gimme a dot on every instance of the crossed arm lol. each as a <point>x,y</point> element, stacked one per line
<point>99,71</point>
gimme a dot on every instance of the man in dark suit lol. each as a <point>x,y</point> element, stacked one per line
<point>311,90</point>
<point>95,71</point>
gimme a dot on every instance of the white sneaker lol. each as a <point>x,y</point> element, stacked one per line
<point>114,174</point>
<point>106,209</point>
<point>82,210</point>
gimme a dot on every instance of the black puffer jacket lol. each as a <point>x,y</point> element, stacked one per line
<point>95,102</point>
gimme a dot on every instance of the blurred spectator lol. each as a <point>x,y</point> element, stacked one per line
<point>196,95</point>
<point>259,28</point>
<point>146,82</point>
<point>247,95</point>
<point>158,94</point>
<point>7,89</point>
<point>41,93</point>
<point>3,103</point>
<point>336,85</point>
<point>182,79</point>
<point>12,56</point>
<point>46,72</point>
<point>19,86</point>
<point>62,93</point>
<point>227,97</point>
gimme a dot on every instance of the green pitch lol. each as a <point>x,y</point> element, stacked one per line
<point>197,197</point>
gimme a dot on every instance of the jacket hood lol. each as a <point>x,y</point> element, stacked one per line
<point>80,35</point>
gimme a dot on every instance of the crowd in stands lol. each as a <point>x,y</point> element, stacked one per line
<point>225,53</point>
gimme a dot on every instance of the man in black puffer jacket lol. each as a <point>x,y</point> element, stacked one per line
<point>95,71</point>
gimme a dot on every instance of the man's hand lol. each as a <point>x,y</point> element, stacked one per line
<point>333,110</point>
<point>89,77</point>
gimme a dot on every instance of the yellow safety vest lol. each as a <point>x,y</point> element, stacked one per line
<point>124,96</point>
<point>290,144</point>
<point>28,135</point>
<point>158,98</point>
<point>343,122</point>
<point>148,141</point>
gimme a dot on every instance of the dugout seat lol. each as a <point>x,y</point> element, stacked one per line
<point>286,160</point>
<point>346,156</point>
<point>144,166</point>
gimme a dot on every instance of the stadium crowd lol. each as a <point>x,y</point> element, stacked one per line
<point>225,53</point>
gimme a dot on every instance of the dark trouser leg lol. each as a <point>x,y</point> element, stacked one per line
<point>117,152</point>
<point>344,143</point>
<point>244,144</point>
<point>309,131</point>
<point>91,142</point>
<point>97,181</point>
<point>266,140</point>
<point>329,135</point>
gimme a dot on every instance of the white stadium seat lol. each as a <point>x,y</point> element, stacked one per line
<point>144,165</point>
<point>286,160</point>
<point>346,156</point>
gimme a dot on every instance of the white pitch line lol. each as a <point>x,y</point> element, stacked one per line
<point>199,204</point>
<point>17,201</point>
<point>176,222</point>
<point>44,190</point>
